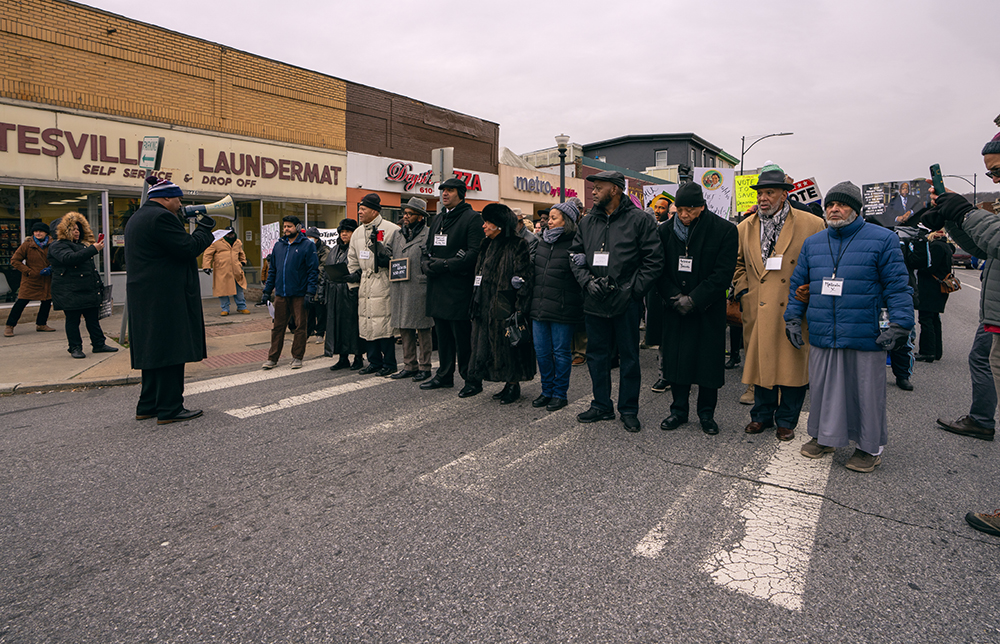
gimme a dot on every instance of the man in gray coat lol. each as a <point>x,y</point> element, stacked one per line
<point>408,295</point>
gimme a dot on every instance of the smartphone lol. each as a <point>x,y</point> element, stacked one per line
<point>937,180</point>
<point>100,238</point>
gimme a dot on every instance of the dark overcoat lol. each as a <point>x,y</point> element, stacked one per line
<point>694,345</point>
<point>494,301</point>
<point>164,296</point>
<point>450,277</point>
<point>76,284</point>
<point>930,299</point>
<point>341,309</point>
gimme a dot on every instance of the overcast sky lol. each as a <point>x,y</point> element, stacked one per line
<point>873,90</point>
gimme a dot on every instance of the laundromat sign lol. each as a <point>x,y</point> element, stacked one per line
<point>40,144</point>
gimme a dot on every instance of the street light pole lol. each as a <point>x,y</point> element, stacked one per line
<point>562,141</point>
<point>744,150</point>
<point>971,183</point>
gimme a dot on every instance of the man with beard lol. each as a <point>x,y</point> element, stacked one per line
<point>616,258</point>
<point>292,276</point>
<point>409,296</point>
<point>856,276</point>
<point>453,240</point>
<point>770,241</point>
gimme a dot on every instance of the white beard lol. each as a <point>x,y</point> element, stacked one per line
<point>845,222</point>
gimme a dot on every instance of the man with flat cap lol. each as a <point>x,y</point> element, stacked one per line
<point>770,241</point>
<point>453,239</point>
<point>617,257</point>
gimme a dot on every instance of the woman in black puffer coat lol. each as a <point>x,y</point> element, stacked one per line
<point>556,306</point>
<point>503,284</point>
<point>76,286</point>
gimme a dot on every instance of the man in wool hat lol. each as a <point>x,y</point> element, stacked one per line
<point>860,306</point>
<point>770,241</point>
<point>977,232</point>
<point>409,296</point>
<point>453,239</point>
<point>164,300</point>
<point>617,256</point>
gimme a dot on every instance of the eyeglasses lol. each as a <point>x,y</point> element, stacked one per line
<point>993,173</point>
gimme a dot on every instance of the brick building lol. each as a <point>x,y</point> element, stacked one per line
<point>81,88</point>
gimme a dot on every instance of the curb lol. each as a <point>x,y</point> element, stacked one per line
<point>18,388</point>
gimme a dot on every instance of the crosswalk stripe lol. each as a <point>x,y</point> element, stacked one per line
<point>225,382</point>
<point>313,396</point>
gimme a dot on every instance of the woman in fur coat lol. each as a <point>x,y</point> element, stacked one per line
<point>503,283</point>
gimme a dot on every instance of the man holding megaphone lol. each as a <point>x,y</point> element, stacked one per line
<point>164,300</point>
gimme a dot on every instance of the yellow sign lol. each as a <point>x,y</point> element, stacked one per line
<point>745,195</point>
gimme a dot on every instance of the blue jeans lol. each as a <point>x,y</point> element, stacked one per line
<point>602,335</point>
<point>553,348</point>
<point>241,301</point>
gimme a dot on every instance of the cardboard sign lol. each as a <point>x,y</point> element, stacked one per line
<point>399,269</point>
<point>806,191</point>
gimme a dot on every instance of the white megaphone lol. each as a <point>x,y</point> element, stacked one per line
<point>222,208</point>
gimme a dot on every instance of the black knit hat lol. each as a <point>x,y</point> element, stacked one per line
<point>993,147</point>
<point>689,195</point>
<point>457,184</point>
<point>846,193</point>
<point>41,225</point>
<point>372,201</point>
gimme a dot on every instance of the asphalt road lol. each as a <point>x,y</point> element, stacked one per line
<point>320,507</point>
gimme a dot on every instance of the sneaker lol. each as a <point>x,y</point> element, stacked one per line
<point>296,363</point>
<point>594,414</point>
<point>660,386</point>
<point>863,461</point>
<point>270,364</point>
<point>813,449</point>
<point>988,523</point>
<point>747,397</point>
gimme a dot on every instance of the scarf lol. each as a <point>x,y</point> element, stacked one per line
<point>41,244</point>
<point>550,235</point>
<point>770,229</point>
<point>681,230</point>
<point>409,232</point>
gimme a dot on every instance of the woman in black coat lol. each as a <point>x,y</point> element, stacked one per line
<point>930,300</point>
<point>502,285</point>
<point>556,306</point>
<point>77,289</point>
<point>342,306</point>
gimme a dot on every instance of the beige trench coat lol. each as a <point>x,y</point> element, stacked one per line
<point>374,304</point>
<point>771,359</point>
<point>226,263</point>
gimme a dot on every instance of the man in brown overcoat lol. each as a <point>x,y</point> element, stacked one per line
<point>224,261</point>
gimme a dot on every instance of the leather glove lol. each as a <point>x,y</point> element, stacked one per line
<point>374,236</point>
<point>683,304</point>
<point>802,294</point>
<point>793,330</point>
<point>595,289</point>
<point>517,282</point>
<point>892,337</point>
<point>353,278</point>
<point>204,221</point>
<point>579,259</point>
<point>265,297</point>
<point>206,271</point>
<point>436,266</point>
<point>45,271</point>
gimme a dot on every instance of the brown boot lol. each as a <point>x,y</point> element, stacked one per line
<point>44,328</point>
<point>8,331</point>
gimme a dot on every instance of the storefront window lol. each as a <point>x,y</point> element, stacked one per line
<point>325,216</point>
<point>120,208</point>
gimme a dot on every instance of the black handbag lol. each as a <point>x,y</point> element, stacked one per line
<point>516,329</point>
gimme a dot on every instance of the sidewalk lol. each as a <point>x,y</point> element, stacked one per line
<point>33,362</point>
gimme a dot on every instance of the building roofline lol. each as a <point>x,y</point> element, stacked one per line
<point>676,136</point>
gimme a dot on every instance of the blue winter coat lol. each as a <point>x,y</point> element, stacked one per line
<point>294,268</point>
<point>875,277</point>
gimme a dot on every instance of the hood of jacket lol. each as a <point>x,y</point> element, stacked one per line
<point>64,231</point>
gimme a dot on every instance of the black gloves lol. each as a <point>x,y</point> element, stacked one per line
<point>950,206</point>
<point>893,337</point>
<point>739,298</point>
<point>204,221</point>
<point>353,278</point>
<point>595,289</point>
<point>265,297</point>
<point>683,304</point>
<point>309,299</point>
<point>793,329</point>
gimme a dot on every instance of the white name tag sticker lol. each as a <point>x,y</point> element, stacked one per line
<point>365,254</point>
<point>833,286</point>
<point>601,258</point>
<point>440,240</point>
<point>773,263</point>
<point>684,264</point>
<point>479,280</point>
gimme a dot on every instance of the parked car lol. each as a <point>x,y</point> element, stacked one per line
<point>961,258</point>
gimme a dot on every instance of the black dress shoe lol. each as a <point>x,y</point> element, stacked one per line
<point>184,414</point>
<point>594,414</point>
<point>709,426</point>
<point>631,423</point>
<point>342,364</point>
<point>104,349</point>
<point>437,383</point>
<point>513,395</point>
<point>923,358</point>
<point>660,386</point>
<point>405,373</point>
<point>468,391</point>
<point>733,362</point>
<point>385,372</point>
<point>369,369</point>
<point>541,401</point>
<point>77,352</point>
<point>357,364</point>
<point>904,384</point>
<point>673,421</point>
<point>503,392</point>
<point>421,376</point>
<point>555,404</point>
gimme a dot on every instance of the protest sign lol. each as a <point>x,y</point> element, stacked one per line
<point>745,195</point>
<point>806,191</point>
<point>889,200</point>
<point>269,234</point>
<point>718,187</point>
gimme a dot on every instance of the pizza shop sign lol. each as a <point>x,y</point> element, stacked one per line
<point>402,172</point>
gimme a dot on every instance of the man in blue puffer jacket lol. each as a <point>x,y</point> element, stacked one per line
<point>854,271</point>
